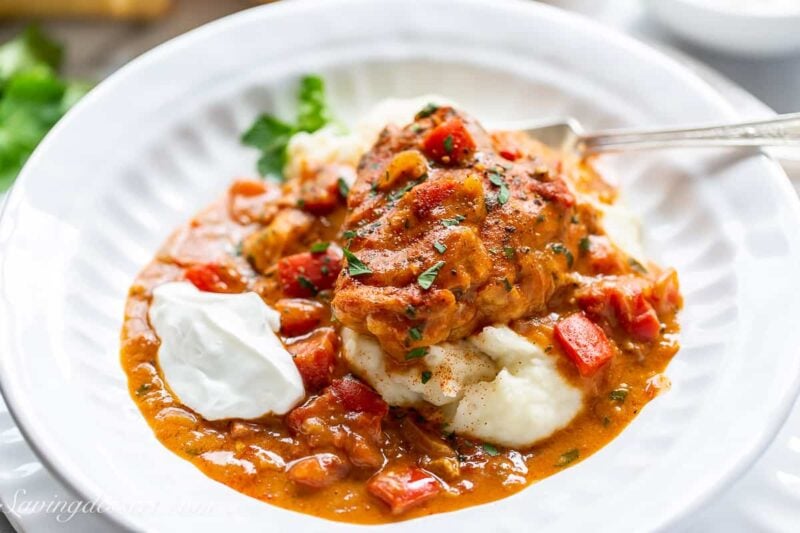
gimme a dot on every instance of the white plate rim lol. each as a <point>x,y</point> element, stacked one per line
<point>32,431</point>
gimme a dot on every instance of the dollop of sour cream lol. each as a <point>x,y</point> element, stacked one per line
<point>220,355</point>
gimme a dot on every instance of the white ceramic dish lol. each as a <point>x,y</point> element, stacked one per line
<point>159,139</point>
<point>746,31</point>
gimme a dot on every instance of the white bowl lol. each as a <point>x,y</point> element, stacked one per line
<point>745,33</point>
<point>159,139</point>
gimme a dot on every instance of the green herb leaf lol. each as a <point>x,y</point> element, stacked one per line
<point>416,353</point>
<point>568,457</point>
<point>411,311</point>
<point>427,111</point>
<point>142,389</point>
<point>490,449</point>
<point>441,248</point>
<point>448,144</point>
<point>426,376</point>
<point>507,285</point>
<point>349,234</point>
<point>559,248</point>
<point>271,135</point>
<point>307,284</point>
<point>426,279</point>
<point>637,266</point>
<point>585,244</point>
<point>313,112</point>
<point>618,395</point>
<point>344,188</point>
<point>496,179</point>
<point>319,247</point>
<point>30,50</point>
<point>415,334</point>
<point>355,267</point>
<point>509,252</point>
<point>455,221</point>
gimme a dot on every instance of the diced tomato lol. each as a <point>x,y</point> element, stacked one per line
<point>555,191</point>
<point>356,396</point>
<point>449,142</point>
<point>320,195</point>
<point>299,315</point>
<point>315,357</point>
<point>666,295</point>
<point>318,470</point>
<point>402,489</point>
<point>303,275</point>
<point>247,187</point>
<point>429,195</point>
<point>584,343</point>
<point>320,201</point>
<point>510,152</point>
<point>215,277</point>
<point>603,258</point>
<point>625,303</point>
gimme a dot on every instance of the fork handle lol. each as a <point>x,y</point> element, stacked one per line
<point>783,130</point>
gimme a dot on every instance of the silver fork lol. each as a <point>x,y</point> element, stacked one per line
<point>568,135</point>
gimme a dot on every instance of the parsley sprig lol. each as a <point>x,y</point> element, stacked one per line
<point>271,135</point>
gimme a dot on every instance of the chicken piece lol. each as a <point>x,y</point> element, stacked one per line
<point>451,234</point>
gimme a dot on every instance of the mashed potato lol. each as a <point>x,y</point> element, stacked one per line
<point>496,386</point>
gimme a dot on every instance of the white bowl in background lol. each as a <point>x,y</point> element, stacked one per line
<point>747,30</point>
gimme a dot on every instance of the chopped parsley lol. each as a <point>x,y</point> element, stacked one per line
<point>585,244</point>
<point>509,252</point>
<point>426,376</point>
<point>426,279</point>
<point>416,353</point>
<point>618,395</point>
<point>411,311</point>
<point>271,135</point>
<point>490,450</point>
<point>307,284</point>
<point>344,188</point>
<point>455,221</point>
<point>507,285</point>
<point>142,389</point>
<point>441,248</point>
<point>497,180</point>
<point>399,193</point>
<point>349,234</point>
<point>448,144</point>
<point>427,111</point>
<point>637,266</point>
<point>355,267</point>
<point>559,248</point>
<point>319,247</point>
<point>415,334</point>
<point>568,457</point>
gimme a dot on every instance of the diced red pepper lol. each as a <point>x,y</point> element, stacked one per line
<point>625,303</point>
<point>449,142</point>
<point>666,297</point>
<point>215,277</point>
<point>299,315</point>
<point>247,187</point>
<point>404,488</point>
<point>636,315</point>
<point>431,194</point>
<point>318,470</point>
<point>315,357</point>
<point>303,275</point>
<point>584,343</point>
<point>355,396</point>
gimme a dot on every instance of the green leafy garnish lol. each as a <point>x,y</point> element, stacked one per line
<point>415,334</point>
<point>32,97</point>
<point>416,353</point>
<point>507,285</point>
<point>497,180</point>
<point>355,267</point>
<point>441,248</point>
<point>426,279</point>
<point>618,395</point>
<point>427,111</point>
<point>271,135</point>
<point>559,248</point>
<point>448,144</point>
<point>637,266</point>
<point>344,188</point>
<point>426,376</point>
<point>411,311</point>
<point>568,457</point>
<point>349,234</point>
<point>142,389</point>
<point>490,449</point>
<point>307,284</point>
<point>455,221</point>
<point>584,244</point>
<point>319,247</point>
<point>509,252</point>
